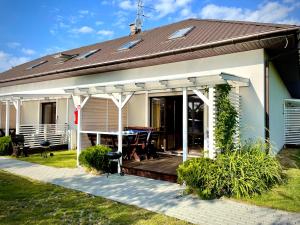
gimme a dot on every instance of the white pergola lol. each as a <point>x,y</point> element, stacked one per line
<point>16,100</point>
<point>121,92</point>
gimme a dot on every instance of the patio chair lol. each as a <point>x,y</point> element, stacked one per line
<point>139,146</point>
<point>18,144</point>
<point>2,133</point>
<point>152,143</point>
<point>12,132</point>
<point>92,138</point>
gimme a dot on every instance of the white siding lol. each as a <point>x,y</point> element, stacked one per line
<point>136,110</point>
<point>12,118</point>
<point>61,109</point>
<point>30,112</point>
<point>248,64</point>
<point>278,92</point>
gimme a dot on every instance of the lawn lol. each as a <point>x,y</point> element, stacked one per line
<point>286,196</point>
<point>24,201</point>
<point>66,158</point>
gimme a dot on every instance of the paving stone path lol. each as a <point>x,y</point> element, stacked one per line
<point>158,196</point>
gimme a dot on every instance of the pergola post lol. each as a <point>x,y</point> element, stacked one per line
<point>120,104</point>
<point>120,128</point>
<point>79,106</point>
<point>210,103</point>
<point>184,124</point>
<point>147,109</point>
<point>17,104</point>
<point>7,118</point>
<point>211,122</point>
<point>78,133</point>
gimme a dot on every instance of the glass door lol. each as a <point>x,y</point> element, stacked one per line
<point>195,124</point>
<point>49,113</point>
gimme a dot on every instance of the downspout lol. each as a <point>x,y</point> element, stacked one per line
<point>267,102</point>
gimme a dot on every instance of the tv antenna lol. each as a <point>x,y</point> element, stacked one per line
<point>139,15</point>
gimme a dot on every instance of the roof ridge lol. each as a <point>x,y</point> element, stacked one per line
<point>277,25</point>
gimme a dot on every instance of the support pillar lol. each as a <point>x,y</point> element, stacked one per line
<point>98,142</point>
<point>184,124</point>
<point>18,115</point>
<point>120,141</point>
<point>211,96</point>
<point>147,109</point>
<point>7,118</point>
<point>78,133</point>
<point>120,104</point>
<point>79,106</point>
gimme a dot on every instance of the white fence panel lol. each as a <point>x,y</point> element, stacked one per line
<point>292,122</point>
<point>56,134</point>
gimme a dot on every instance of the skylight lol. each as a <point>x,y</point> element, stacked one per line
<point>63,57</point>
<point>181,33</point>
<point>36,65</point>
<point>129,44</point>
<point>87,54</point>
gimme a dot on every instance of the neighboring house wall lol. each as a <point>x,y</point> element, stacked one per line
<point>278,92</point>
<point>248,64</point>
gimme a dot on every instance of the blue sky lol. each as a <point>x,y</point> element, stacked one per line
<point>33,28</point>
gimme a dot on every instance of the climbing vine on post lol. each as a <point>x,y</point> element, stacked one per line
<point>226,119</point>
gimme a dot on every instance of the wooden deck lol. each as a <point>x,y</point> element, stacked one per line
<point>162,168</point>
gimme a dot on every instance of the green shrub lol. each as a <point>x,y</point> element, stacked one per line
<point>5,145</point>
<point>240,173</point>
<point>95,157</point>
<point>226,119</point>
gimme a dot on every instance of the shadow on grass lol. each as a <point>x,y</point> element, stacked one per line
<point>26,202</point>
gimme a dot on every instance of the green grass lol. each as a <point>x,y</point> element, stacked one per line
<point>24,201</point>
<point>60,159</point>
<point>286,196</point>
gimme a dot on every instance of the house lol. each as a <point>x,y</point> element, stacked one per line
<point>163,78</point>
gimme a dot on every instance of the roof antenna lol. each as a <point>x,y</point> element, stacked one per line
<point>136,27</point>
<point>139,15</point>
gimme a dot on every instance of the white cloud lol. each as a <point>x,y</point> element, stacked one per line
<point>13,44</point>
<point>127,5</point>
<point>269,12</point>
<point>105,32</point>
<point>28,51</point>
<point>84,12</point>
<point>122,19</point>
<point>165,7</point>
<point>99,22</point>
<point>83,30</point>
<point>7,60</point>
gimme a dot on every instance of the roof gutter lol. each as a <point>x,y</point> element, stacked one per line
<point>165,53</point>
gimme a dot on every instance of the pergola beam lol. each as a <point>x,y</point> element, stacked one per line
<point>202,97</point>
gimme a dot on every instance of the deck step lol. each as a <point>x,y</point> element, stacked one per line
<point>150,174</point>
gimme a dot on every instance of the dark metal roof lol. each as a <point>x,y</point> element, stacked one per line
<point>208,38</point>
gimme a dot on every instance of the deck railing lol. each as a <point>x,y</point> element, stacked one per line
<point>57,134</point>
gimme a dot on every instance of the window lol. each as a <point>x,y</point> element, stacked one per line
<point>130,44</point>
<point>181,33</point>
<point>49,113</point>
<point>36,65</point>
<point>87,54</point>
